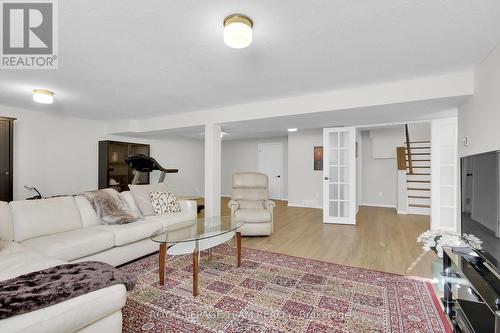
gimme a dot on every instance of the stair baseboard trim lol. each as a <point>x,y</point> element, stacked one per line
<point>418,189</point>
<point>377,205</point>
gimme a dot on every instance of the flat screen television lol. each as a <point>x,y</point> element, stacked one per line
<point>480,202</point>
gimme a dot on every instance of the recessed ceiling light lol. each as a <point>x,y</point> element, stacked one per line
<point>238,31</point>
<point>43,96</point>
<point>293,129</point>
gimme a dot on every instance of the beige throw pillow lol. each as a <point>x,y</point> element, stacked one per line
<point>142,197</point>
<point>164,202</point>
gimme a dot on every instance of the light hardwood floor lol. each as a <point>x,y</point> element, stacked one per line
<point>380,240</point>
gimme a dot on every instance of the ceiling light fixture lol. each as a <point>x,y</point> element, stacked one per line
<point>238,31</point>
<point>293,129</point>
<point>43,96</point>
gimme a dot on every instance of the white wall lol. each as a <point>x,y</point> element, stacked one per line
<point>419,131</point>
<point>58,155</point>
<point>379,175</point>
<point>305,185</point>
<point>243,155</point>
<point>479,116</point>
<point>384,141</point>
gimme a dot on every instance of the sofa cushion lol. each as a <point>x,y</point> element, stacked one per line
<point>249,194</point>
<point>17,259</point>
<point>6,227</point>
<point>129,198</point>
<point>36,218</point>
<point>132,232</point>
<point>171,219</point>
<point>142,198</point>
<point>254,215</point>
<point>242,204</point>
<point>71,245</point>
<point>87,212</point>
<point>249,180</point>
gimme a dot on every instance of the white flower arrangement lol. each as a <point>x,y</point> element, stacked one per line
<point>435,240</point>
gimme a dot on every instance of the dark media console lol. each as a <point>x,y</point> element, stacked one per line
<point>471,292</point>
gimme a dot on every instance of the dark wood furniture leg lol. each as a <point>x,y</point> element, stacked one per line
<point>163,250</point>
<point>195,272</point>
<point>238,249</point>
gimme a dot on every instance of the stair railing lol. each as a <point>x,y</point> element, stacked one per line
<point>408,149</point>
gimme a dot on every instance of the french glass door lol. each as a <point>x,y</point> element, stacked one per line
<point>339,174</point>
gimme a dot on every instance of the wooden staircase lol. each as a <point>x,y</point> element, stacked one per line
<point>418,175</point>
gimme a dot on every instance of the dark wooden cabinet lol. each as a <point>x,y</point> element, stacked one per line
<point>6,158</point>
<point>113,170</point>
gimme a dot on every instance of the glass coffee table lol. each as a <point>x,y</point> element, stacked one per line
<point>194,236</point>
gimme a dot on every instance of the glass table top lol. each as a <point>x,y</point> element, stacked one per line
<point>196,230</point>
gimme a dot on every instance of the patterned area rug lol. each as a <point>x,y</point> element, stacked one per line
<point>272,292</point>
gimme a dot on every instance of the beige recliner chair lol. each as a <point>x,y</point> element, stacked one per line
<point>250,203</point>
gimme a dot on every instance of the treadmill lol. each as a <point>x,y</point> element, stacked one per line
<point>141,163</point>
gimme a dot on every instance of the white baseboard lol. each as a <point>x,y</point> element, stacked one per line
<point>377,205</point>
<point>292,204</point>
<point>402,212</point>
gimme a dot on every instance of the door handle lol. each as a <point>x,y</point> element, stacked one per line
<point>326,178</point>
<point>278,176</point>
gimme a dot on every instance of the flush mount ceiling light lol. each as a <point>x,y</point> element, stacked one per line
<point>238,31</point>
<point>293,129</point>
<point>43,96</point>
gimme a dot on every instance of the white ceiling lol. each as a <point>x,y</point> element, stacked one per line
<point>361,117</point>
<point>133,59</point>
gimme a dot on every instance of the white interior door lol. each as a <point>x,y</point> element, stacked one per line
<point>271,164</point>
<point>339,171</point>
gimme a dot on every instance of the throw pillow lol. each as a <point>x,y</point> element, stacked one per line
<point>164,202</point>
<point>142,198</point>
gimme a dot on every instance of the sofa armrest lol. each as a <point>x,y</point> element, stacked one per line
<point>234,205</point>
<point>269,204</point>
<point>190,206</point>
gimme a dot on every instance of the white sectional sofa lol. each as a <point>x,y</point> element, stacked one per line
<point>38,234</point>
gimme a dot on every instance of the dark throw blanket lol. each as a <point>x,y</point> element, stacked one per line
<point>37,290</point>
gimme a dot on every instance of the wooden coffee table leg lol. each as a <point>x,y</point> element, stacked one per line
<point>163,250</point>
<point>195,272</point>
<point>238,249</point>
